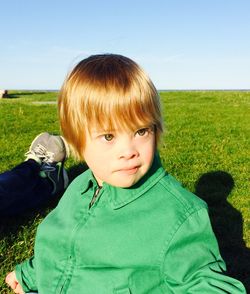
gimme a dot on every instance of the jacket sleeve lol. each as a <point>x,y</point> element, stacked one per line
<point>26,276</point>
<point>192,262</point>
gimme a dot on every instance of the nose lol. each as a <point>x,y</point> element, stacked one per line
<point>128,151</point>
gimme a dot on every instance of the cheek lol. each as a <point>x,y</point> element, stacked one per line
<point>90,156</point>
<point>150,156</point>
<point>148,152</point>
<point>99,161</point>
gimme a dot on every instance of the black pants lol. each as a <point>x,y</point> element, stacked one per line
<point>22,189</point>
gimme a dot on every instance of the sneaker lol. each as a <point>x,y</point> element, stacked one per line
<point>47,148</point>
<point>57,174</point>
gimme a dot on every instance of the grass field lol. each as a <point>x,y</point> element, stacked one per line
<point>205,146</point>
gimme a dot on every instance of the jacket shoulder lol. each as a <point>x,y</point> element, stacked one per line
<point>81,181</point>
<point>175,194</point>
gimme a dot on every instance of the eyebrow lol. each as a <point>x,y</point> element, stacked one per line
<point>149,126</point>
<point>111,131</point>
<point>103,131</point>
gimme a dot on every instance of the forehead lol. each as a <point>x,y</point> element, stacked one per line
<point>119,117</point>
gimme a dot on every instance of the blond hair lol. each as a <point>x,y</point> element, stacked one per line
<point>108,91</point>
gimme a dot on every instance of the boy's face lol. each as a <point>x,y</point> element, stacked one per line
<point>120,158</point>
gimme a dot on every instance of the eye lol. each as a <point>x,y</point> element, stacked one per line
<point>142,132</point>
<point>108,137</point>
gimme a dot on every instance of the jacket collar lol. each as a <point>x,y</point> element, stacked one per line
<point>119,197</point>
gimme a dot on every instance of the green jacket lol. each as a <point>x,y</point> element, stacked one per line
<point>154,237</point>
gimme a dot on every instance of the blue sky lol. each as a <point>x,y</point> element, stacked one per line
<point>181,44</point>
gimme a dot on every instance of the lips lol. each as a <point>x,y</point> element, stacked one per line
<point>129,170</point>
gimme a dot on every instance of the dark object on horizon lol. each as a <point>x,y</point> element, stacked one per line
<point>3,93</point>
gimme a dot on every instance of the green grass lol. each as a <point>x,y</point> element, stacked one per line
<point>205,146</point>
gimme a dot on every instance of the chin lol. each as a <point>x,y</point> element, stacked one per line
<point>126,184</point>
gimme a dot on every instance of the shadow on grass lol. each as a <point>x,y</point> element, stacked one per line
<point>19,94</point>
<point>12,96</point>
<point>10,225</point>
<point>214,188</point>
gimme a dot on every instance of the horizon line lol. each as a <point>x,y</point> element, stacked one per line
<point>159,90</point>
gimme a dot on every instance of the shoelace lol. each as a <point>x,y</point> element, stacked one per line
<point>42,153</point>
<point>49,157</point>
<point>46,167</point>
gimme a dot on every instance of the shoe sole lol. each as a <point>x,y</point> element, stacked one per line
<point>67,149</point>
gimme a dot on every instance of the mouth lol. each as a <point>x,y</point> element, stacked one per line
<point>130,170</point>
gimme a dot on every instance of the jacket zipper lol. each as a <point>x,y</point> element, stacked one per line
<point>95,196</point>
<point>92,202</point>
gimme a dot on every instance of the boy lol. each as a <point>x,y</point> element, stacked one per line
<point>125,225</point>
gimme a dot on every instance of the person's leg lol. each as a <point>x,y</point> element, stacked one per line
<point>31,183</point>
<point>22,188</point>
